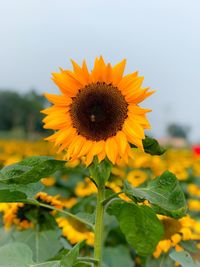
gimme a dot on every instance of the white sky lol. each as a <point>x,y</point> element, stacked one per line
<point>160,38</point>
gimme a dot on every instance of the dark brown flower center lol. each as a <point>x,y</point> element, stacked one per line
<point>171,227</point>
<point>98,111</point>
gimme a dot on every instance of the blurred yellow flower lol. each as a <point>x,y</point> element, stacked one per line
<point>49,181</point>
<point>85,188</point>
<point>174,232</point>
<point>13,214</point>
<point>137,177</point>
<point>74,231</point>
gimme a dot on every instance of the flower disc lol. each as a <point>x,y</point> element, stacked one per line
<point>98,111</point>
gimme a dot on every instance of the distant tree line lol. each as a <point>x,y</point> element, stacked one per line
<point>178,130</point>
<point>21,110</point>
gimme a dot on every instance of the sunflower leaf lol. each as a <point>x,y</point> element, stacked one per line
<point>19,193</point>
<point>139,224</point>
<point>70,258</point>
<point>16,255</point>
<point>44,244</point>
<point>30,170</point>
<point>184,258</point>
<point>117,256</point>
<point>164,193</point>
<point>151,146</point>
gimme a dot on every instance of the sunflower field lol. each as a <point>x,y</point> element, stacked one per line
<point>37,234</point>
<point>104,194</point>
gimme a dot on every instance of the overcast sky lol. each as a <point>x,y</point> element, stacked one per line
<point>160,38</point>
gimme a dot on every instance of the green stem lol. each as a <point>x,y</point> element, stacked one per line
<point>98,242</point>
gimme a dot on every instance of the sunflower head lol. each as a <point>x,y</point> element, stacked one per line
<point>183,229</point>
<point>97,112</point>
<point>15,214</point>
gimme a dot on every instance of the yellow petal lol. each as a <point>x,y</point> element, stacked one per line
<point>79,73</point>
<point>78,146</point>
<point>85,148</point>
<point>127,81</point>
<point>118,71</point>
<point>85,71</point>
<point>101,156</point>
<point>64,135</point>
<point>144,96</point>
<point>129,128</point>
<point>97,147</point>
<point>53,109</point>
<point>56,125</point>
<point>121,142</point>
<point>132,138</point>
<point>57,116</point>
<point>67,141</point>
<point>67,84</point>
<point>138,110</point>
<point>108,74</point>
<point>89,159</point>
<point>52,137</point>
<point>72,147</point>
<point>111,149</point>
<point>135,127</point>
<point>138,96</point>
<point>98,71</point>
<point>59,100</point>
<point>134,87</point>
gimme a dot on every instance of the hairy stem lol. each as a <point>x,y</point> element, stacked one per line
<point>98,242</point>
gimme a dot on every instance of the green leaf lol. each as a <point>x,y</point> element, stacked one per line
<point>15,255</point>
<point>164,193</point>
<point>87,217</point>
<point>184,258</point>
<point>20,255</point>
<point>100,172</point>
<point>82,264</point>
<point>8,196</point>
<point>117,257</point>
<point>44,244</point>
<point>70,258</point>
<point>17,192</point>
<point>151,146</point>
<point>47,264</point>
<point>65,243</point>
<point>189,245</point>
<point>139,224</point>
<point>5,236</point>
<point>30,170</point>
<point>163,261</point>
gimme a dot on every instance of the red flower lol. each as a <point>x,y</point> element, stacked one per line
<point>196,150</point>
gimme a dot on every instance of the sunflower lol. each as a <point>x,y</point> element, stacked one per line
<point>54,201</point>
<point>137,177</point>
<point>14,214</point>
<point>85,188</point>
<point>97,112</point>
<point>74,231</point>
<point>176,231</point>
